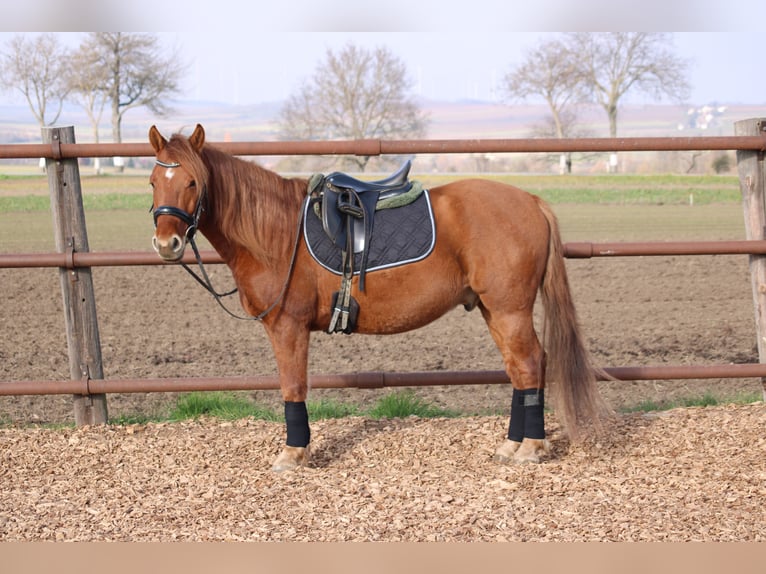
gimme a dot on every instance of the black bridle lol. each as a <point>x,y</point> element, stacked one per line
<point>192,223</point>
<point>190,219</point>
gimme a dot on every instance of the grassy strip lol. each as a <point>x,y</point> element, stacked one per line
<point>103,194</point>
<point>583,196</point>
<point>399,404</point>
<point>405,404</point>
<point>706,400</point>
<point>232,406</point>
<point>101,202</point>
<point>620,189</point>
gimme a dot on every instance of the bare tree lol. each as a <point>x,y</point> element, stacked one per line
<point>354,94</point>
<point>136,73</point>
<point>36,67</point>
<point>616,63</point>
<point>570,128</point>
<point>551,72</point>
<point>86,86</point>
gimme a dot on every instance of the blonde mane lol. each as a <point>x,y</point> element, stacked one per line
<point>252,206</point>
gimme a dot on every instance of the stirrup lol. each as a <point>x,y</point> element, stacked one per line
<point>345,309</point>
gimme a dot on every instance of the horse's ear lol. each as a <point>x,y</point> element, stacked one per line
<point>197,139</point>
<point>155,138</point>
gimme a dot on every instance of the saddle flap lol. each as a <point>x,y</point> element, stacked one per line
<point>345,212</point>
<point>332,219</point>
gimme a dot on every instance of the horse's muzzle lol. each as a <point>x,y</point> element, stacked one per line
<point>170,249</point>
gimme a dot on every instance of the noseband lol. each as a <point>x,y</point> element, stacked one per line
<point>190,219</point>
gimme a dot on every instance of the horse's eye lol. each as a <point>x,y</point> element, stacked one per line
<point>192,183</point>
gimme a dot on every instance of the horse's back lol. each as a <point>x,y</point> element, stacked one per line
<point>484,218</point>
<point>482,199</point>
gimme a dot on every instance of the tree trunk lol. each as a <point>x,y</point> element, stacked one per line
<point>117,131</point>
<point>96,160</point>
<point>611,111</point>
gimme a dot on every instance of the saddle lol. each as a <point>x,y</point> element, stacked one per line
<point>348,208</point>
<point>349,204</point>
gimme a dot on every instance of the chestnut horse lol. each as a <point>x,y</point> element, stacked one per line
<point>495,247</point>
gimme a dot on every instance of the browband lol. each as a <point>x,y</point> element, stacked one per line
<point>163,164</point>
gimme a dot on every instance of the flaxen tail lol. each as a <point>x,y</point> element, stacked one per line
<point>572,376</point>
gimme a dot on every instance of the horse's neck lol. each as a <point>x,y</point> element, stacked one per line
<point>216,238</point>
<point>267,182</point>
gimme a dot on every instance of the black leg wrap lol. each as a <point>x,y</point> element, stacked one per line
<point>297,420</point>
<point>534,407</point>
<point>516,426</point>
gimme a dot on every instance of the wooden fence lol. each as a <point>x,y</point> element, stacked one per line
<point>74,260</point>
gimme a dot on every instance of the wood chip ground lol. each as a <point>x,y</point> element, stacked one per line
<point>694,474</point>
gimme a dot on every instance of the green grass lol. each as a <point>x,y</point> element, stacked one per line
<point>404,404</point>
<point>29,193</point>
<point>397,404</point>
<point>100,202</point>
<point>220,405</point>
<point>230,406</point>
<point>706,400</point>
<point>662,189</point>
<point>330,409</point>
<point>26,203</point>
<point>233,406</point>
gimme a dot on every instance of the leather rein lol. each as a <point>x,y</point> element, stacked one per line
<point>192,222</point>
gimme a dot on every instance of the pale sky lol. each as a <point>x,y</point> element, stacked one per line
<point>442,66</point>
<point>246,53</point>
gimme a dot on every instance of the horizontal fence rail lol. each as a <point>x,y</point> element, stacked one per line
<point>574,250</point>
<point>374,147</point>
<point>362,380</point>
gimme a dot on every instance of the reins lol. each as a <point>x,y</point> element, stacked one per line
<point>208,285</point>
<point>192,221</point>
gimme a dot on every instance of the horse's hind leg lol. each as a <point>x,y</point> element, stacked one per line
<point>524,361</point>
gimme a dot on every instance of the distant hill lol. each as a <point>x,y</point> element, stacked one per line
<point>448,120</point>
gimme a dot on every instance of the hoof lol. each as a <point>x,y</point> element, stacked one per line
<point>505,451</point>
<point>291,458</point>
<point>530,451</point>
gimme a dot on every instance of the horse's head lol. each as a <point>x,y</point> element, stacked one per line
<point>178,183</point>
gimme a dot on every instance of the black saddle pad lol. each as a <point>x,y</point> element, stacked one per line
<point>399,235</point>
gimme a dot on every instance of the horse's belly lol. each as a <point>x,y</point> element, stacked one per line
<point>408,301</point>
<point>391,321</point>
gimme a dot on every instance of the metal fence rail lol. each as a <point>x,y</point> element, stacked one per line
<point>374,147</point>
<point>573,250</point>
<point>362,380</point>
<point>750,143</point>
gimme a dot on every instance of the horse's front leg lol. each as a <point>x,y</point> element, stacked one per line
<point>291,344</point>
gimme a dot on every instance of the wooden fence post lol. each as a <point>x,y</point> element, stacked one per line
<point>76,283</point>
<point>752,181</point>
